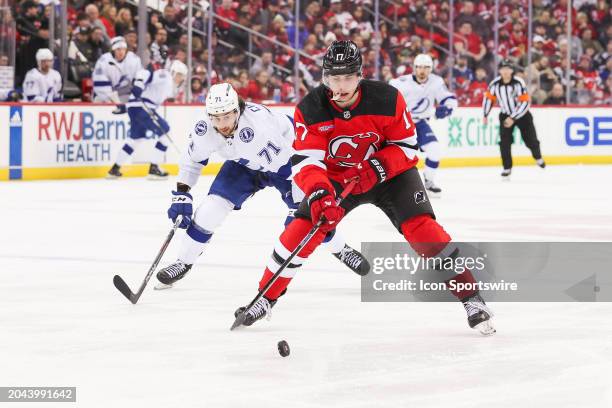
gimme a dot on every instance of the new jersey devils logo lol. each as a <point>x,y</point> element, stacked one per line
<point>350,150</point>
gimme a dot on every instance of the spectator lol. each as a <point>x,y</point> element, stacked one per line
<point>302,35</point>
<point>581,94</point>
<point>607,93</point>
<point>30,44</point>
<point>344,18</point>
<point>556,96</point>
<point>83,22</point>
<point>154,23</point>
<point>477,87</point>
<point>537,48</point>
<point>386,73</point>
<point>198,92</point>
<point>468,15</point>
<point>604,73</point>
<point>267,15</point>
<point>540,79</point>
<point>589,42</point>
<point>227,11</point>
<point>286,11</point>
<point>124,22</point>
<point>80,48</point>
<point>131,38</point>
<point>312,15</point>
<point>241,84</point>
<point>362,23</point>
<point>264,63</point>
<point>159,49</point>
<point>28,22</point>
<point>98,45</point>
<point>586,73</point>
<point>259,89</point>
<point>109,14</point>
<point>278,30</point>
<point>169,23</point>
<point>93,15</point>
<point>475,49</point>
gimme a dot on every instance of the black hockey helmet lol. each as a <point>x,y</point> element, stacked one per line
<point>342,57</point>
<point>506,63</point>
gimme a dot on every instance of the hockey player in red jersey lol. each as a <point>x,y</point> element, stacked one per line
<point>352,128</point>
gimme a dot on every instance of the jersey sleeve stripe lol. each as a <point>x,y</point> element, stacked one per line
<point>298,162</point>
<point>102,83</point>
<point>447,98</point>
<point>409,146</point>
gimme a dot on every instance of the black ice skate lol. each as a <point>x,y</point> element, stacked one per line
<point>114,173</point>
<point>479,315</point>
<point>506,174</point>
<point>541,163</point>
<point>432,188</point>
<point>354,260</point>
<point>155,173</point>
<point>261,309</point>
<point>171,273</point>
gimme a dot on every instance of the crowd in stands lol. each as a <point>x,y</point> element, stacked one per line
<point>407,28</point>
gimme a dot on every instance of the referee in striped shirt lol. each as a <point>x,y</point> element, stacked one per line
<point>511,94</point>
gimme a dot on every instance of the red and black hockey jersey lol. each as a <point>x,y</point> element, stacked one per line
<point>330,139</point>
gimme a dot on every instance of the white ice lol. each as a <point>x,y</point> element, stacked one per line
<point>63,323</point>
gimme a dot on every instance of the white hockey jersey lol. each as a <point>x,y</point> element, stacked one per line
<point>113,77</point>
<point>157,87</point>
<point>39,87</point>
<point>262,141</point>
<point>421,99</point>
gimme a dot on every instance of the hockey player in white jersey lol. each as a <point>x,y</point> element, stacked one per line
<point>114,73</point>
<point>150,90</point>
<point>43,84</point>
<point>426,95</point>
<point>257,145</point>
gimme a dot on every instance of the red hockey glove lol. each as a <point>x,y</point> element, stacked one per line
<point>323,204</point>
<point>369,172</point>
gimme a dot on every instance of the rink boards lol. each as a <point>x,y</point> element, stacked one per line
<point>59,141</point>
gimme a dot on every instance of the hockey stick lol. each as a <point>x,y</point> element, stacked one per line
<point>242,315</point>
<point>156,122</point>
<point>123,287</point>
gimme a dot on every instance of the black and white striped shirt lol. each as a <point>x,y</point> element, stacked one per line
<point>512,97</point>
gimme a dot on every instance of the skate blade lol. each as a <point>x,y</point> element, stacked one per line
<point>162,286</point>
<point>486,328</point>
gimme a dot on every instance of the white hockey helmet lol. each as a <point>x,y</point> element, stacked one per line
<point>222,98</point>
<point>177,67</point>
<point>44,54</point>
<point>118,42</point>
<point>423,60</point>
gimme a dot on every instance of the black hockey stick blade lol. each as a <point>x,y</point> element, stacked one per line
<point>239,320</point>
<point>124,289</point>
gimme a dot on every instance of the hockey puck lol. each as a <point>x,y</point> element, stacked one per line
<point>283,348</point>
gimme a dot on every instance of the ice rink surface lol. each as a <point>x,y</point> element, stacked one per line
<point>63,323</point>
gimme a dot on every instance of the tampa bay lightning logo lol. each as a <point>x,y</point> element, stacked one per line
<point>201,128</point>
<point>421,106</point>
<point>246,135</point>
